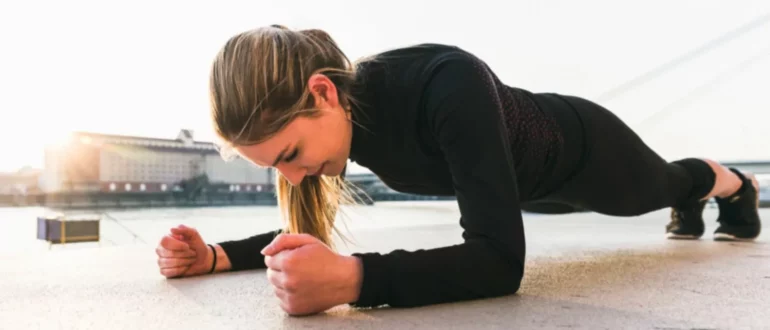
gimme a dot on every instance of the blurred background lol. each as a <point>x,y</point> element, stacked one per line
<point>105,104</point>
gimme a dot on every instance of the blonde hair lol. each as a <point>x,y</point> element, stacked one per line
<point>258,85</point>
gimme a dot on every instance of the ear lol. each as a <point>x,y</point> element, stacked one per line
<point>324,91</point>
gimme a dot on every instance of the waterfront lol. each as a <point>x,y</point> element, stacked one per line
<point>145,226</point>
<point>136,226</point>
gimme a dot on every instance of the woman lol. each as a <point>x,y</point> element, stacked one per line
<point>427,119</point>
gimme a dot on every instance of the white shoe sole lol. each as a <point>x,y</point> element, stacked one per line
<point>731,238</point>
<point>679,236</point>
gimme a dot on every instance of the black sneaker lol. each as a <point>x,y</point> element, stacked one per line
<point>738,214</point>
<point>686,221</point>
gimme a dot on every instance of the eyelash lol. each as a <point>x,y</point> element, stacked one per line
<point>291,156</point>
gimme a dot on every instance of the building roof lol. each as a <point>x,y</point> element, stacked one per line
<point>183,142</point>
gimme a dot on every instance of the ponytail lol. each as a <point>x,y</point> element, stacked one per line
<point>311,206</point>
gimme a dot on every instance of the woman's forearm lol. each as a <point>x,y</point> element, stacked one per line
<point>244,254</point>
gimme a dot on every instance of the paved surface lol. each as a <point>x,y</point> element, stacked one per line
<point>584,272</point>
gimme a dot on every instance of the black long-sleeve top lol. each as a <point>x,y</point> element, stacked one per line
<point>436,120</point>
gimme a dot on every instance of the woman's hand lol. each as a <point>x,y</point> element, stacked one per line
<point>308,277</point>
<point>183,253</point>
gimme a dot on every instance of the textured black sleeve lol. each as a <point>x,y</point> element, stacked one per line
<point>245,253</point>
<point>465,115</point>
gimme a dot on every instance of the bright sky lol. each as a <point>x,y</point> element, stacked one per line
<point>141,67</point>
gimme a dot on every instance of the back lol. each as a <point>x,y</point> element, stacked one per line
<point>397,144</point>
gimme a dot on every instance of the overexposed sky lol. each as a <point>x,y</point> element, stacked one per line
<point>141,67</point>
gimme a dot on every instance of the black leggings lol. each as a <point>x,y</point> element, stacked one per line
<point>605,167</point>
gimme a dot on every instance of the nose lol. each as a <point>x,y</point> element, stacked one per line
<point>294,174</point>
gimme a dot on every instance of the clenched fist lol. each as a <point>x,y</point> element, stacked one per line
<point>308,277</point>
<point>183,253</point>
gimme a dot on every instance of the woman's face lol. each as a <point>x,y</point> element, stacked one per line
<point>318,145</point>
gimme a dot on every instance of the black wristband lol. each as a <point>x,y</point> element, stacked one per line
<point>213,265</point>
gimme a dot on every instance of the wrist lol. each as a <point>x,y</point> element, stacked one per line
<point>354,280</point>
<point>212,262</point>
<point>207,262</point>
<point>223,262</point>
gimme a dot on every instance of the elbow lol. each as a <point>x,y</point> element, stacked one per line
<point>514,284</point>
<point>508,281</point>
<point>509,270</point>
<point>500,281</point>
<point>507,273</point>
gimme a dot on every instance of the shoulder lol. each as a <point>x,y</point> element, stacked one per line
<point>422,74</point>
<point>460,81</point>
<point>423,51</point>
<point>398,83</point>
<point>422,84</point>
<point>463,101</point>
<point>415,64</point>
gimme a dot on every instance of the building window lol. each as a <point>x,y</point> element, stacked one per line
<point>112,187</point>
<point>248,188</point>
<point>128,187</point>
<point>142,187</point>
<point>259,188</point>
<point>163,187</point>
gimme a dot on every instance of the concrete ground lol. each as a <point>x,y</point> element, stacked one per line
<point>584,271</point>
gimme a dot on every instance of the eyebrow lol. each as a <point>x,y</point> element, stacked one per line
<point>280,156</point>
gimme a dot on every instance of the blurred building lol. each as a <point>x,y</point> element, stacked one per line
<point>116,163</point>
<point>22,182</point>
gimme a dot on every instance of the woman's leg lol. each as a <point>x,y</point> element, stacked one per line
<point>727,182</point>
<point>618,174</point>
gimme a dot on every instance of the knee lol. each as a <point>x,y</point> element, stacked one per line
<point>701,175</point>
